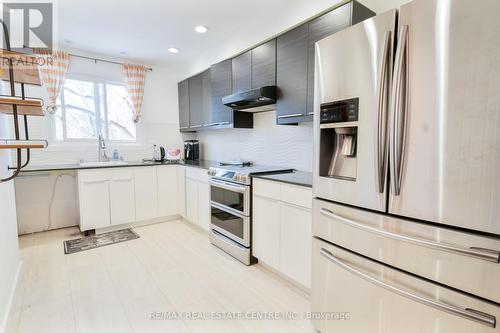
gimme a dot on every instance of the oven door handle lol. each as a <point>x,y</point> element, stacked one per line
<point>228,209</point>
<point>229,187</point>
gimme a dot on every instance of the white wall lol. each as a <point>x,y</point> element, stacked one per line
<point>265,144</point>
<point>9,252</point>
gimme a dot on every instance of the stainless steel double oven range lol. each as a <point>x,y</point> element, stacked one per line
<point>231,207</point>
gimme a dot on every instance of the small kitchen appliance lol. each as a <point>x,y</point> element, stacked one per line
<point>191,149</point>
<point>158,153</point>
<point>173,154</point>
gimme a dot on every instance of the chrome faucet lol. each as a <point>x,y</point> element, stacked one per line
<point>103,157</point>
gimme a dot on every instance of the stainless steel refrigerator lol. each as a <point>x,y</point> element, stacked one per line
<point>406,170</point>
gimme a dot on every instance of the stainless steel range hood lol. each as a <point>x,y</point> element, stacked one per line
<point>255,100</point>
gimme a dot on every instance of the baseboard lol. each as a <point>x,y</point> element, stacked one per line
<point>139,223</point>
<point>195,226</point>
<point>301,289</point>
<point>15,283</point>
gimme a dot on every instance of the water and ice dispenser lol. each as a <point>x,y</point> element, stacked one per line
<point>338,139</point>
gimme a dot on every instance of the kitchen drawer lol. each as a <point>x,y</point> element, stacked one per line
<point>122,174</point>
<point>94,175</point>
<point>369,297</point>
<point>296,195</point>
<point>461,260</point>
<point>267,189</point>
<point>197,174</point>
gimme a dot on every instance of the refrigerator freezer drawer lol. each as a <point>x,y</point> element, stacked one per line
<point>362,295</point>
<point>461,260</point>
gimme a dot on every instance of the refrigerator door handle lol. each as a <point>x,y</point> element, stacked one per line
<point>399,107</point>
<point>383,102</point>
<point>474,252</point>
<point>470,314</point>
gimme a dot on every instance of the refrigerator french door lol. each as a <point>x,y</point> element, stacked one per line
<point>353,76</point>
<point>445,135</point>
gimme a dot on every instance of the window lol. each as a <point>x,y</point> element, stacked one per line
<point>89,107</point>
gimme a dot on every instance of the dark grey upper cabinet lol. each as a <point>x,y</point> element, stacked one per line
<point>242,72</point>
<point>326,25</point>
<point>183,91</point>
<point>207,98</point>
<point>291,75</point>
<point>287,62</point>
<point>255,68</point>
<point>221,85</point>
<point>196,101</point>
<point>264,65</point>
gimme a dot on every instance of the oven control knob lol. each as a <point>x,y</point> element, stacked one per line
<point>243,178</point>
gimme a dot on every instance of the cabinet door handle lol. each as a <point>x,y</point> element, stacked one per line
<point>123,179</point>
<point>195,126</point>
<point>95,181</point>
<point>290,115</point>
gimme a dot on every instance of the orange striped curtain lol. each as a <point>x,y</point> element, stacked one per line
<point>136,75</point>
<point>53,73</point>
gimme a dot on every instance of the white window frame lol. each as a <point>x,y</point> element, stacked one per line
<point>96,81</point>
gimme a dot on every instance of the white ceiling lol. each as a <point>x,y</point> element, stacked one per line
<point>145,29</point>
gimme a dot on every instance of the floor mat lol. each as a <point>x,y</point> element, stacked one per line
<point>94,241</point>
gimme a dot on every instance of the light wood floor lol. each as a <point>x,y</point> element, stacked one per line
<point>172,267</point>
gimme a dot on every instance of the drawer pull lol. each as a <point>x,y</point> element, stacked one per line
<point>470,314</point>
<point>474,252</point>
<point>290,115</point>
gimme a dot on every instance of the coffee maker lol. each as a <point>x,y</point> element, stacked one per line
<point>191,149</point>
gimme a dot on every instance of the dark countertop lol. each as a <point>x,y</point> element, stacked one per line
<point>56,167</point>
<point>301,178</point>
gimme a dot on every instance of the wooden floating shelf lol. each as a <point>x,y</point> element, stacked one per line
<point>25,67</point>
<point>23,144</point>
<point>28,106</point>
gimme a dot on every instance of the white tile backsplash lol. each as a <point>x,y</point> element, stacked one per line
<point>266,144</point>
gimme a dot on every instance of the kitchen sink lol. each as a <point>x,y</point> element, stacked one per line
<point>102,164</point>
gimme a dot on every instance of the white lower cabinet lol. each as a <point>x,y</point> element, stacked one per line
<point>204,205</point>
<point>296,243</point>
<point>146,193</point>
<point>266,230</point>
<point>168,190</point>
<point>282,236</point>
<point>122,196</point>
<point>181,190</point>
<point>94,201</point>
<point>115,196</point>
<point>198,197</point>
<point>192,200</point>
